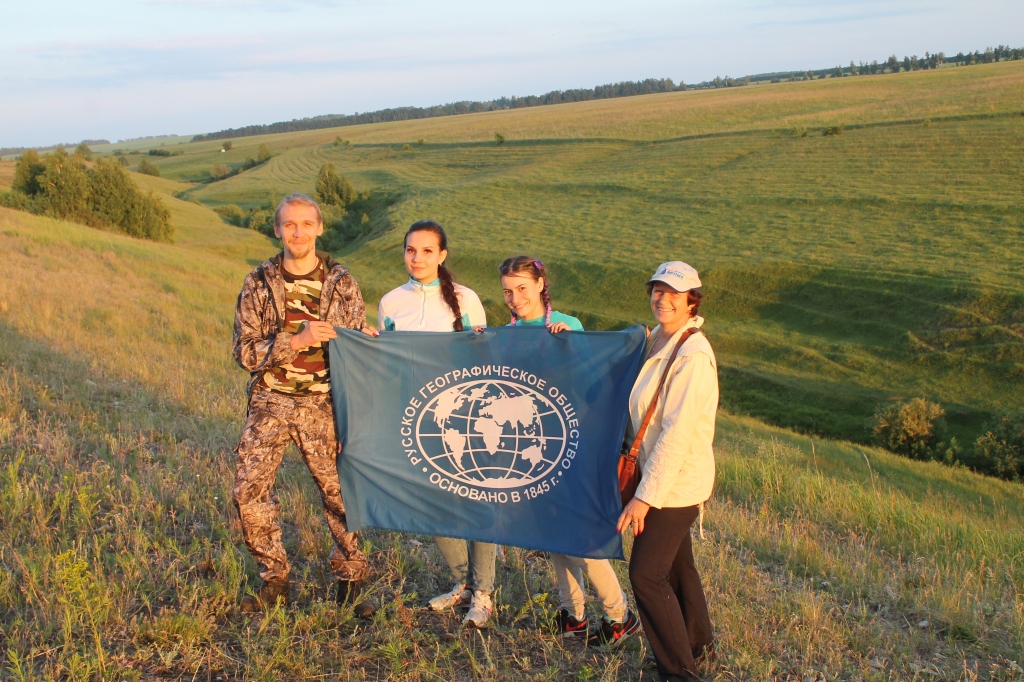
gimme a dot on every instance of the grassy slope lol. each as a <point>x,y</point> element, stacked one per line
<point>841,271</point>
<point>119,406</point>
<point>6,174</point>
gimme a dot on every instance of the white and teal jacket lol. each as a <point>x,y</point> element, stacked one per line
<point>415,307</point>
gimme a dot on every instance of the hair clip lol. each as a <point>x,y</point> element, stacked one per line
<point>537,264</point>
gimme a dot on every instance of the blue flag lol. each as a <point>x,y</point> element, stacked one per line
<point>509,436</point>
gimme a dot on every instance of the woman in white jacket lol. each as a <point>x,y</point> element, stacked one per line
<point>432,301</point>
<point>677,468</point>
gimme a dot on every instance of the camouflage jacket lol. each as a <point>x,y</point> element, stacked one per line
<point>259,342</point>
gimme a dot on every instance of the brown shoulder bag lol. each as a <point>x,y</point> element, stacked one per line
<point>629,475</point>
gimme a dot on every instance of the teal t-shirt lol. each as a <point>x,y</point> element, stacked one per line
<point>574,324</point>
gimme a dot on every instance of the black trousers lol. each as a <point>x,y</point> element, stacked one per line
<point>668,592</point>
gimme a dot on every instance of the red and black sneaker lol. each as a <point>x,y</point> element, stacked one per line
<point>569,626</point>
<point>613,633</point>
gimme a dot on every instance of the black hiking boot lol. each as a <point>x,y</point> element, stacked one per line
<point>268,595</point>
<point>348,593</point>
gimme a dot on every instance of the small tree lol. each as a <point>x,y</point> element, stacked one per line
<point>116,201</point>
<point>1001,449</point>
<point>261,220</point>
<point>147,167</point>
<point>227,145</point>
<point>499,138</point>
<point>83,151</point>
<point>219,171</point>
<point>908,428</point>
<point>232,213</point>
<point>26,173</point>
<point>262,154</point>
<point>64,187</point>
<point>333,189</point>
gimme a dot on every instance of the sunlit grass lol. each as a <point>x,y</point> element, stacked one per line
<point>121,557</point>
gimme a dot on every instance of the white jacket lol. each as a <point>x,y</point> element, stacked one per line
<point>415,307</point>
<point>676,462</point>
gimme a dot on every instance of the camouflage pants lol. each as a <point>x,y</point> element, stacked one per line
<point>275,419</point>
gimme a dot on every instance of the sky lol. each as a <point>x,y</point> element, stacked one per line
<point>117,69</point>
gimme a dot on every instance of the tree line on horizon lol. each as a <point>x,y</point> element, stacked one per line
<point>892,65</point>
<point>612,90</point>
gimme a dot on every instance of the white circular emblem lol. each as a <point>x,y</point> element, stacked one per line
<point>491,434</point>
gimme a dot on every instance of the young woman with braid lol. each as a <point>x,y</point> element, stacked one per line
<point>524,280</point>
<point>432,301</point>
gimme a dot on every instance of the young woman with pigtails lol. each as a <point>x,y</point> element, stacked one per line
<point>432,301</point>
<point>524,281</point>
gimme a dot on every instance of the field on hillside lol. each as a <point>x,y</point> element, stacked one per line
<point>842,271</point>
<point>121,557</point>
<point>6,174</point>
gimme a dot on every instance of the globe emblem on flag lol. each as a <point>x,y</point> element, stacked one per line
<point>492,434</point>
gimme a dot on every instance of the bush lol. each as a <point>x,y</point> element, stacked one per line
<point>219,171</point>
<point>1001,449</point>
<point>262,154</point>
<point>333,189</point>
<point>15,200</point>
<point>147,167</point>
<point>499,138</point>
<point>64,188</point>
<point>117,202</point>
<point>104,196</point>
<point>910,428</point>
<point>84,151</point>
<point>161,152</point>
<point>27,171</point>
<point>227,145</point>
<point>231,213</point>
<point>261,220</point>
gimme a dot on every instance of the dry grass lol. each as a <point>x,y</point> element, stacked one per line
<point>6,174</point>
<point>121,558</point>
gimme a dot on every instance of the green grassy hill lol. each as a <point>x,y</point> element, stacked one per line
<point>120,555</point>
<point>841,271</point>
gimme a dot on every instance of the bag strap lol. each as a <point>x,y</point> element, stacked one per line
<point>634,451</point>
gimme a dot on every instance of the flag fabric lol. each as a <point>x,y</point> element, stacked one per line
<point>509,436</point>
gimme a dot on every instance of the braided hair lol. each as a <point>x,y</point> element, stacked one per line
<point>534,269</point>
<point>448,292</point>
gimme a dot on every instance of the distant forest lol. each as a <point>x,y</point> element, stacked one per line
<point>4,151</point>
<point>624,89</point>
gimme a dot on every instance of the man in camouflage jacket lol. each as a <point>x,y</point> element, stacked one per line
<point>283,322</point>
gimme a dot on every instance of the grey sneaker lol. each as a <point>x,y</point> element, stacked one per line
<point>460,596</point>
<point>480,610</point>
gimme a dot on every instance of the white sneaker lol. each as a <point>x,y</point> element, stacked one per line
<point>459,596</point>
<point>480,610</point>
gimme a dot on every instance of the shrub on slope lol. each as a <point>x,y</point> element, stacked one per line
<point>61,186</point>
